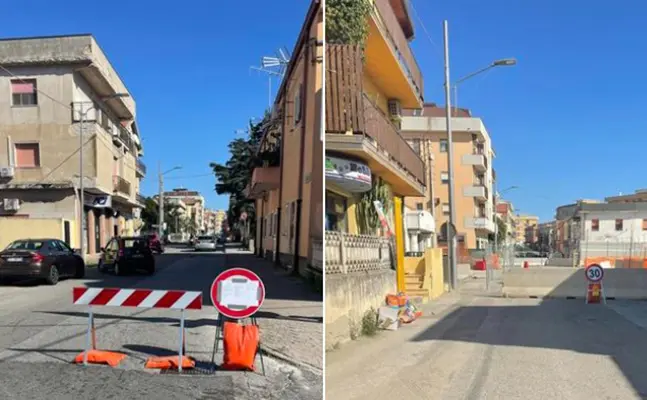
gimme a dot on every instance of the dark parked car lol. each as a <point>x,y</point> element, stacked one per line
<point>124,255</point>
<point>48,259</point>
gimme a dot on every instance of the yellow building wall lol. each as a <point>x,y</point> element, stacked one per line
<point>13,228</point>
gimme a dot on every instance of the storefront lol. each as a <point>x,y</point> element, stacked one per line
<point>346,179</point>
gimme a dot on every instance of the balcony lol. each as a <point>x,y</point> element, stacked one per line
<point>479,192</point>
<point>350,110</point>
<point>421,221</point>
<point>264,179</point>
<point>140,199</point>
<point>479,161</point>
<point>479,223</point>
<point>389,58</point>
<point>121,186</point>
<point>140,168</point>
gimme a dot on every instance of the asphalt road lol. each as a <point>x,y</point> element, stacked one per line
<point>481,347</point>
<point>41,332</point>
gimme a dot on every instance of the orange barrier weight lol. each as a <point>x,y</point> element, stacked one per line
<point>594,293</point>
<point>170,362</point>
<point>110,358</point>
<point>240,345</point>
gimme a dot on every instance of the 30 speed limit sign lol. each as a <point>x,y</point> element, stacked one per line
<point>594,273</point>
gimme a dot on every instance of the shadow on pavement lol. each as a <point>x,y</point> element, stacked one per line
<point>559,322</point>
<point>200,270</point>
<point>272,315</point>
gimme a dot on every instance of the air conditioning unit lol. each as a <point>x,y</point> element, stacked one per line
<point>11,204</point>
<point>6,172</point>
<point>395,109</point>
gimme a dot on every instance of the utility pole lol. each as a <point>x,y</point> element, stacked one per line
<point>451,238</point>
<point>81,188</point>
<point>160,218</point>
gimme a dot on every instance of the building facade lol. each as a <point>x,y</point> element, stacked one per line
<point>472,170</point>
<point>194,208</point>
<point>505,213</point>
<point>220,217</point>
<point>366,154</point>
<point>288,190</point>
<point>58,88</point>
<point>526,228</point>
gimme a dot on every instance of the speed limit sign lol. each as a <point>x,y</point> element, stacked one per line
<point>594,273</point>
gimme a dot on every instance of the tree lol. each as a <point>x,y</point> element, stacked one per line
<point>150,214</point>
<point>502,231</point>
<point>235,175</point>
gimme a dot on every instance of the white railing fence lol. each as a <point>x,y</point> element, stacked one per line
<point>346,253</point>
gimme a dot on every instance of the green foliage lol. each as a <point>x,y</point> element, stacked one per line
<point>347,21</point>
<point>236,174</point>
<point>367,217</point>
<point>502,231</point>
<point>370,323</point>
<point>150,215</point>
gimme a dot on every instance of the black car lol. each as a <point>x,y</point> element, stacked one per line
<point>48,259</point>
<point>124,255</point>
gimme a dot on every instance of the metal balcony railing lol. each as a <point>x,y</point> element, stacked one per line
<point>140,167</point>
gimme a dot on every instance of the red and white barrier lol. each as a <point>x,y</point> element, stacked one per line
<point>141,298</point>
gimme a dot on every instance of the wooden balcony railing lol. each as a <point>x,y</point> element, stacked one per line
<point>347,253</point>
<point>348,108</point>
<point>120,185</point>
<point>393,30</point>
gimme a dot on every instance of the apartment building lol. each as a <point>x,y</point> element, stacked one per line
<point>52,85</point>
<point>638,196</point>
<point>567,232</point>
<point>220,217</point>
<point>213,221</point>
<point>505,213</point>
<point>545,235</point>
<point>425,129</point>
<point>526,228</point>
<point>365,152</point>
<point>194,207</point>
<point>288,190</point>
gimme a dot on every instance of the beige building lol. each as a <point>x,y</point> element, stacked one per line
<point>220,216</point>
<point>193,205</point>
<point>425,130</point>
<point>505,212</point>
<point>52,82</point>
<point>526,228</point>
<point>288,193</point>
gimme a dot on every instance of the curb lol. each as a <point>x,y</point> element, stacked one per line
<point>288,360</point>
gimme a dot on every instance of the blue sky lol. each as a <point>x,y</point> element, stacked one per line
<point>569,120</point>
<point>186,64</point>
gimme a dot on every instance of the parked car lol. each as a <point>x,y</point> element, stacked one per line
<point>48,259</point>
<point>205,242</point>
<point>123,255</point>
<point>155,243</point>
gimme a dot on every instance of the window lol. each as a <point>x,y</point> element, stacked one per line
<point>445,208</point>
<point>297,105</point>
<point>27,155</point>
<point>618,224</point>
<point>644,224</point>
<point>444,177</point>
<point>595,225</point>
<point>419,206</point>
<point>23,92</point>
<point>443,145</point>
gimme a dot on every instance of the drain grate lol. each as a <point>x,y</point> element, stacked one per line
<point>193,371</point>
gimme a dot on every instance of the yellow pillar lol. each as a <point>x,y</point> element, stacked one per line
<point>399,242</point>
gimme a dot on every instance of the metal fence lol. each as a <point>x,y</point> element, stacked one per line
<point>347,253</point>
<point>615,253</point>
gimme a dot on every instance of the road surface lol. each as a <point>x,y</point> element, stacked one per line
<point>41,332</point>
<point>484,347</point>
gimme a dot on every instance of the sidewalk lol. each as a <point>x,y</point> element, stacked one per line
<point>291,319</point>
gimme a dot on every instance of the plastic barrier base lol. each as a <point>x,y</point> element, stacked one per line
<point>110,358</point>
<point>170,362</point>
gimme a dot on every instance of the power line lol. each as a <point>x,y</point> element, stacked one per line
<point>190,176</point>
<point>439,52</point>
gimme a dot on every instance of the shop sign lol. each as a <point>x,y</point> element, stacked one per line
<point>97,201</point>
<point>352,176</point>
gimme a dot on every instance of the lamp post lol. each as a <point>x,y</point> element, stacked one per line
<point>83,113</point>
<point>450,151</point>
<point>160,217</point>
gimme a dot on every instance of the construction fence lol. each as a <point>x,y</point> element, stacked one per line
<point>614,254</point>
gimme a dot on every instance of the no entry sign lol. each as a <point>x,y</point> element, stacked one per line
<point>237,293</point>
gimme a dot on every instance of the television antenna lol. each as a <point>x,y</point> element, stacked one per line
<point>274,66</point>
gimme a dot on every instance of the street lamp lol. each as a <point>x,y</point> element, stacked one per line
<point>504,62</point>
<point>160,217</point>
<point>450,151</point>
<point>83,113</point>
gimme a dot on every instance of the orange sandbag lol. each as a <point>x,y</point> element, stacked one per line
<point>101,357</point>
<point>170,362</point>
<point>240,343</point>
<point>394,300</point>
